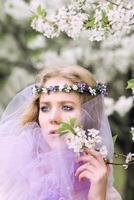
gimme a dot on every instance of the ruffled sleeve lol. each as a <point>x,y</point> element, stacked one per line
<point>30,171</point>
<point>113,194</point>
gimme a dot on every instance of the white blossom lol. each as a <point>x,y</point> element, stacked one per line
<point>98,16</point>
<point>34,4</point>
<point>109,105</point>
<point>36,42</point>
<point>129,157</point>
<point>96,34</point>
<point>45,27</point>
<point>82,138</point>
<point>92,132</point>
<point>103,151</point>
<point>125,166</point>
<point>74,142</point>
<point>18,9</point>
<point>132,132</point>
<point>123,105</point>
<point>106,19</point>
<point>38,24</point>
<point>133,137</point>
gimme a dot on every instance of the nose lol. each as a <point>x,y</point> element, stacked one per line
<point>55,116</point>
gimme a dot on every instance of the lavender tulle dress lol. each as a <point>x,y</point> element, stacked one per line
<point>30,170</point>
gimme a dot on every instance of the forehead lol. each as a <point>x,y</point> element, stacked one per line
<point>57,81</point>
<point>59,96</point>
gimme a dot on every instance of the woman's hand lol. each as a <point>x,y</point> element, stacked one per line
<point>96,170</point>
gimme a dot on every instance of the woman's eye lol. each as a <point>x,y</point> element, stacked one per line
<point>67,108</point>
<point>44,109</point>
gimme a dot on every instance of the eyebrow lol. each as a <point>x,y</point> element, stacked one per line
<point>60,102</point>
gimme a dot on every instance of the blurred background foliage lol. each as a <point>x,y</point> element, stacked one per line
<point>23,52</point>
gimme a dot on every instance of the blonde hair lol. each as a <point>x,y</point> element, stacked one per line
<point>75,74</point>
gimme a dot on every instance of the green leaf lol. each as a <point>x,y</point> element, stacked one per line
<point>64,127</point>
<point>72,121</point>
<point>90,23</point>
<point>61,131</point>
<point>110,6</point>
<point>33,17</point>
<point>114,138</point>
<point>67,126</point>
<point>104,20</point>
<point>130,84</point>
<point>41,11</point>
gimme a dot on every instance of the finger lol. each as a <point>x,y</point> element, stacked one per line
<point>84,167</point>
<point>87,158</point>
<point>85,174</point>
<point>94,153</point>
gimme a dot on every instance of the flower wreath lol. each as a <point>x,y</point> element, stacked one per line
<point>100,88</point>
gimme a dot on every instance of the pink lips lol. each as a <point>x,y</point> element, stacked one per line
<point>52,132</point>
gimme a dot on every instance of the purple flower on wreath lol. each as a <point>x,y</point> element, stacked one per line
<point>81,87</point>
<point>51,88</point>
<point>101,88</point>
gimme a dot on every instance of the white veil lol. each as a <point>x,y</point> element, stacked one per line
<point>93,116</point>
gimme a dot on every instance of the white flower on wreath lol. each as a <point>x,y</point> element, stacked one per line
<point>34,90</point>
<point>61,88</point>
<point>74,87</point>
<point>92,91</point>
<point>44,90</point>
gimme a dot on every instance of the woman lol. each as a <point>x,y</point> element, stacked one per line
<point>36,163</point>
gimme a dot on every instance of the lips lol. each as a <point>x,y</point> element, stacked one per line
<point>52,132</point>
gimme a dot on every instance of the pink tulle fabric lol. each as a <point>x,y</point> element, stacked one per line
<point>36,171</point>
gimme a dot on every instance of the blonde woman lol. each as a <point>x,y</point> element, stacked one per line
<point>35,162</point>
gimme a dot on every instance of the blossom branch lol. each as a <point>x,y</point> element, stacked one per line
<point>117,4</point>
<point>78,139</point>
<point>114,163</point>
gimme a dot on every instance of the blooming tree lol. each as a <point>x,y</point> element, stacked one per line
<point>110,59</point>
<point>96,19</point>
<point>77,139</point>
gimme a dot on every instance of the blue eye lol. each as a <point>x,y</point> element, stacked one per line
<point>44,108</point>
<point>67,108</point>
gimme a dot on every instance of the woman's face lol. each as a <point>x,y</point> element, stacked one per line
<point>57,107</point>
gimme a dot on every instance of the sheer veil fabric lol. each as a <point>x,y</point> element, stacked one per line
<point>30,170</point>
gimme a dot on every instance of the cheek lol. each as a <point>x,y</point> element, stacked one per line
<point>75,114</point>
<point>42,121</point>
